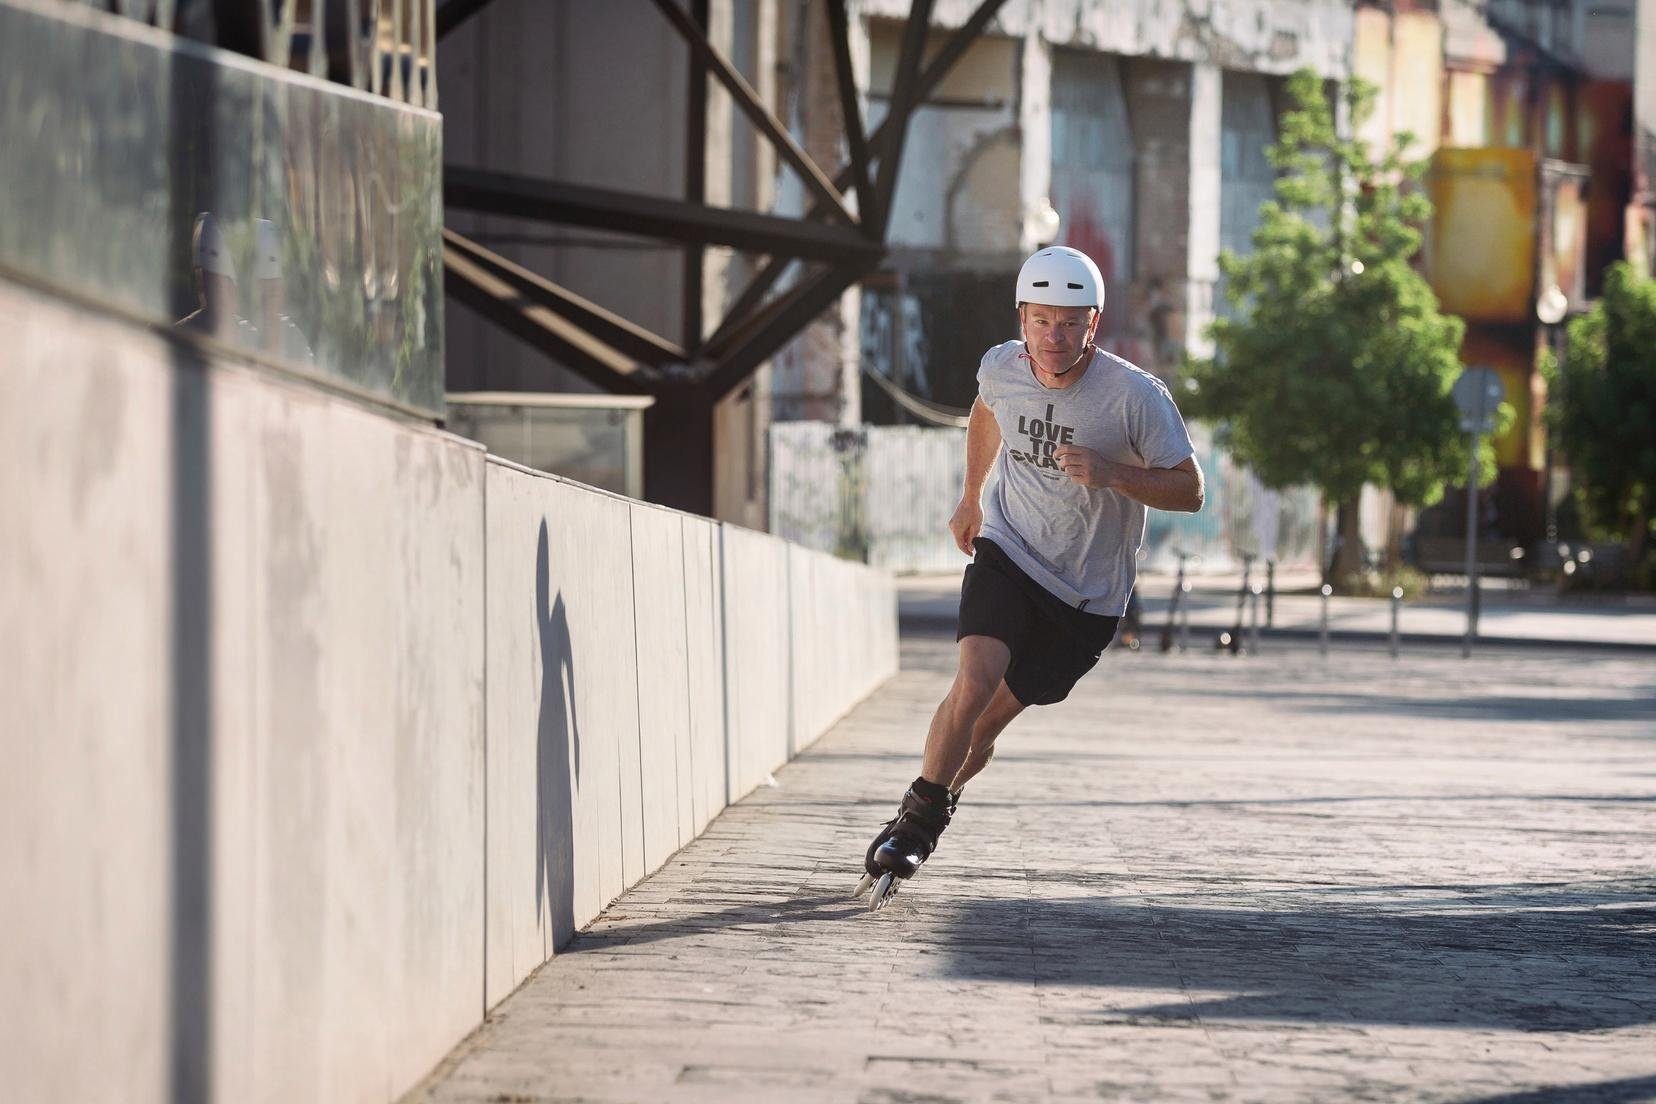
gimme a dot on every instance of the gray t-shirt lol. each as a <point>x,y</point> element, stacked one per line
<point>1078,542</point>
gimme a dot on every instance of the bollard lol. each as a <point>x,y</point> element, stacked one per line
<point>1270,594</point>
<point>1184,618</point>
<point>1397,606</point>
<point>1253,619</point>
<point>1322,637</point>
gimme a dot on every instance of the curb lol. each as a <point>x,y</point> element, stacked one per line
<point>931,622</point>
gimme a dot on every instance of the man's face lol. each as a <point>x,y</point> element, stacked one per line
<point>1056,335</point>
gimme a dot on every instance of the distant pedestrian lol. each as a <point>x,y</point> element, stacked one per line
<point>1080,443</point>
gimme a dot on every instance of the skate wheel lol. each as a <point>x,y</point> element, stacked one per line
<point>863,886</point>
<point>884,890</point>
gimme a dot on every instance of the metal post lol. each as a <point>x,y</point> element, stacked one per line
<point>1184,617</point>
<point>1322,636</point>
<point>1396,609</point>
<point>1471,544</point>
<point>1270,594</point>
<point>1253,619</point>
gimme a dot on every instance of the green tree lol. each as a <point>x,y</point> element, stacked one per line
<point>1602,407</point>
<point>1337,366</point>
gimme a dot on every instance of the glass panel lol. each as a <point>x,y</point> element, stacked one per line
<point>292,220</point>
<point>596,440</point>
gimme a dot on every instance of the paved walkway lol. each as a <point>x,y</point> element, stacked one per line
<point>1202,878</point>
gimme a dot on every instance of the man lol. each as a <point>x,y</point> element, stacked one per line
<point>215,281</point>
<point>1081,442</point>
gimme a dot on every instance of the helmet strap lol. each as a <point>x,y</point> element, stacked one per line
<point>1086,351</point>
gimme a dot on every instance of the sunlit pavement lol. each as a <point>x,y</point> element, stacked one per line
<point>1204,877</point>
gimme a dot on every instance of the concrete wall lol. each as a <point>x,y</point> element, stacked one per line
<point>244,794</point>
<point>326,729</point>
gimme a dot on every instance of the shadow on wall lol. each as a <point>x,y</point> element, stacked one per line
<point>193,142</point>
<point>558,740</point>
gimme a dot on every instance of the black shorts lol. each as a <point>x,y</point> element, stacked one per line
<point>1052,644</point>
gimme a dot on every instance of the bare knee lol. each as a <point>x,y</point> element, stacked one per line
<point>972,692</point>
<point>983,663</point>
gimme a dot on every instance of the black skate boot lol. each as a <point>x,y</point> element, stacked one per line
<point>906,841</point>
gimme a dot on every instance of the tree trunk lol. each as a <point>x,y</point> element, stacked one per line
<point>1638,540</point>
<point>1397,522</point>
<point>1346,565</point>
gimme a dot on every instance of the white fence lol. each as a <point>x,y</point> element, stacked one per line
<point>883,495</point>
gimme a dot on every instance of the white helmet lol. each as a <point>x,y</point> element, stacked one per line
<point>1059,276</point>
<point>208,250</point>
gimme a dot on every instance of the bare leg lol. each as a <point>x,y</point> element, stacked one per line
<point>1003,707</point>
<point>983,664</point>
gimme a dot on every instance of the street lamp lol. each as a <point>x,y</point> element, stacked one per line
<point>1551,309</point>
<point>1552,306</point>
<point>1041,223</point>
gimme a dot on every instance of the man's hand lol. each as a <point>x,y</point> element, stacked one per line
<point>964,526</point>
<point>1178,488</point>
<point>1086,467</point>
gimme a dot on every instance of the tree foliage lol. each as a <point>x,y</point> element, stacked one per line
<point>1337,366</point>
<point>1602,405</point>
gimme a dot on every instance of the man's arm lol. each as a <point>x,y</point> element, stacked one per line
<point>1179,488</point>
<point>983,442</point>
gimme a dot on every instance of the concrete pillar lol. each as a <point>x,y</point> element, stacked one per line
<point>817,376</point>
<point>1202,198</point>
<point>1176,127</point>
<point>1035,129</point>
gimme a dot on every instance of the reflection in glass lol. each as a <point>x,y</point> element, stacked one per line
<point>294,219</point>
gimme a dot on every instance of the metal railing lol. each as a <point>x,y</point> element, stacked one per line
<point>386,47</point>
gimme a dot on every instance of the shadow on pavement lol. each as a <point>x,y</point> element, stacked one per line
<point>789,910</point>
<point>1625,1091</point>
<point>1543,961</point>
<point>1538,709</point>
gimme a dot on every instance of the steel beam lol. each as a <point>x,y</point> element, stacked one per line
<point>679,448</point>
<point>803,304</point>
<point>538,325</point>
<point>748,100</point>
<point>939,67</point>
<point>839,35</point>
<point>625,337</point>
<point>720,345</point>
<point>648,216</point>
<point>903,100</point>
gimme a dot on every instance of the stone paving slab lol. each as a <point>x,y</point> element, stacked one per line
<point>1204,878</point>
